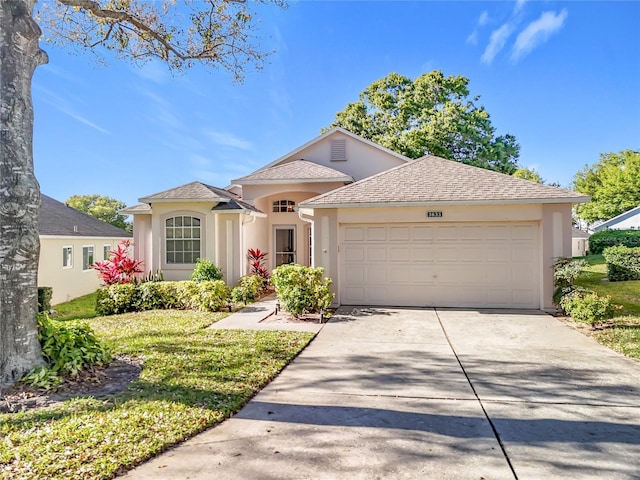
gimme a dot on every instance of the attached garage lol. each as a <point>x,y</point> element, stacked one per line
<point>435,232</point>
<point>443,265</point>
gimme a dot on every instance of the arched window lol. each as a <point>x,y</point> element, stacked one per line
<point>182,234</point>
<point>283,205</point>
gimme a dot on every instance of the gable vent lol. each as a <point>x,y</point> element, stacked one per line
<point>339,150</point>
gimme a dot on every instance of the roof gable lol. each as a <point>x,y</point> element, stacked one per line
<point>435,180</point>
<point>56,218</point>
<point>619,218</point>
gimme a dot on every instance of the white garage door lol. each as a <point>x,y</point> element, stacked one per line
<point>443,265</point>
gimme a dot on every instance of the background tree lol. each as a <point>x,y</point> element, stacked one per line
<point>528,174</point>
<point>101,207</point>
<point>217,33</point>
<point>431,114</point>
<point>613,184</point>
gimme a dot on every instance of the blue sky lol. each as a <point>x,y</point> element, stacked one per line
<point>563,77</point>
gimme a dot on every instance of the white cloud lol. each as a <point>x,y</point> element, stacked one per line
<point>227,139</point>
<point>538,32</point>
<point>482,21</point>
<point>496,42</point>
<point>519,5</point>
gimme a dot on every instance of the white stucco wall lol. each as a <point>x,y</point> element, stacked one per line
<point>73,282</point>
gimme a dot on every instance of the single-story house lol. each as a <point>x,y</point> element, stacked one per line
<point>629,220</point>
<point>579,242</point>
<point>70,242</point>
<point>388,230</point>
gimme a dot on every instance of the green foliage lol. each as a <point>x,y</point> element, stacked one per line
<point>248,289</point>
<point>608,238</point>
<point>44,299</point>
<point>101,207</point>
<point>67,349</point>
<point>431,114</point>
<point>565,273</point>
<point>613,184</point>
<point>206,270</point>
<point>528,174</point>
<point>208,295</point>
<point>587,306</point>
<point>302,289</point>
<point>623,263</point>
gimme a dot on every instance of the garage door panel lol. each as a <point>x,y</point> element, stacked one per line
<point>456,265</point>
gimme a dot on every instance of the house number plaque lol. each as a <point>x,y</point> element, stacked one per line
<point>434,214</point>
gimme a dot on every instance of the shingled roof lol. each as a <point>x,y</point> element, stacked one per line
<point>195,191</point>
<point>297,171</point>
<point>56,218</point>
<point>435,180</point>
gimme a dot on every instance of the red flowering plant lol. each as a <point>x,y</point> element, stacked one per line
<point>257,261</point>
<point>120,267</point>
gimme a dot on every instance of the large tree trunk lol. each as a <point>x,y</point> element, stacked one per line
<point>19,192</point>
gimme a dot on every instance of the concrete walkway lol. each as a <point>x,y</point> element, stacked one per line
<point>430,394</point>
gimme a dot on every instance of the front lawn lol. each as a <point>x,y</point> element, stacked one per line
<point>192,378</point>
<point>623,334</point>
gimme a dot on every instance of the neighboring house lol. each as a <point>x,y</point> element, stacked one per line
<point>629,220</point>
<point>579,242</point>
<point>388,230</point>
<point>70,242</point>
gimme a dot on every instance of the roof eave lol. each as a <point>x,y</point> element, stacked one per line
<point>571,200</point>
<point>184,200</point>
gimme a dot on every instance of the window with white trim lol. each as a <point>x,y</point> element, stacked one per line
<point>182,239</point>
<point>67,257</point>
<point>106,252</point>
<point>87,257</point>
<point>284,206</point>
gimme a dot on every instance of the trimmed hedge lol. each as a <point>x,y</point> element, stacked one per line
<point>302,289</point>
<point>587,306</point>
<point>623,263</point>
<point>609,238</point>
<point>208,296</point>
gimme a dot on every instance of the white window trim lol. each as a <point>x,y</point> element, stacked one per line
<point>89,269</point>
<point>110,247</point>
<point>163,237</point>
<point>70,266</point>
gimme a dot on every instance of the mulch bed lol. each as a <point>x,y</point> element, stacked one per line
<point>96,382</point>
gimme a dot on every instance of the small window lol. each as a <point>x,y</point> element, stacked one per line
<point>182,237</point>
<point>67,257</point>
<point>87,257</point>
<point>106,252</point>
<point>284,206</point>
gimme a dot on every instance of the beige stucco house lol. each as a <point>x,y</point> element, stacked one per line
<point>388,230</point>
<point>70,242</point>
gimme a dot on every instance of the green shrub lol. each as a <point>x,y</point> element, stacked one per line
<point>587,306</point>
<point>565,273</point>
<point>118,298</point>
<point>206,270</point>
<point>302,289</point>
<point>249,288</point>
<point>609,238</point>
<point>184,295</point>
<point>44,299</point>
<point>67,348</point>
<point>623,263</point>
<point>212,296</point>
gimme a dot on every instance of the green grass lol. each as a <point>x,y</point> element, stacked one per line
<point>192,379</point>
<point>78,308</point>
<point>623,334</point>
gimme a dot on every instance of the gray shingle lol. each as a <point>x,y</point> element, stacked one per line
<point>433,179</point>
<point>298,171</point>
<point>56,218</point>
<point>190,191</point>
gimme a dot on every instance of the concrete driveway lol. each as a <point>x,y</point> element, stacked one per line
<point>431,394</point>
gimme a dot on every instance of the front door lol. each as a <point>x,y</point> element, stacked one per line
<point>285,244</point>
